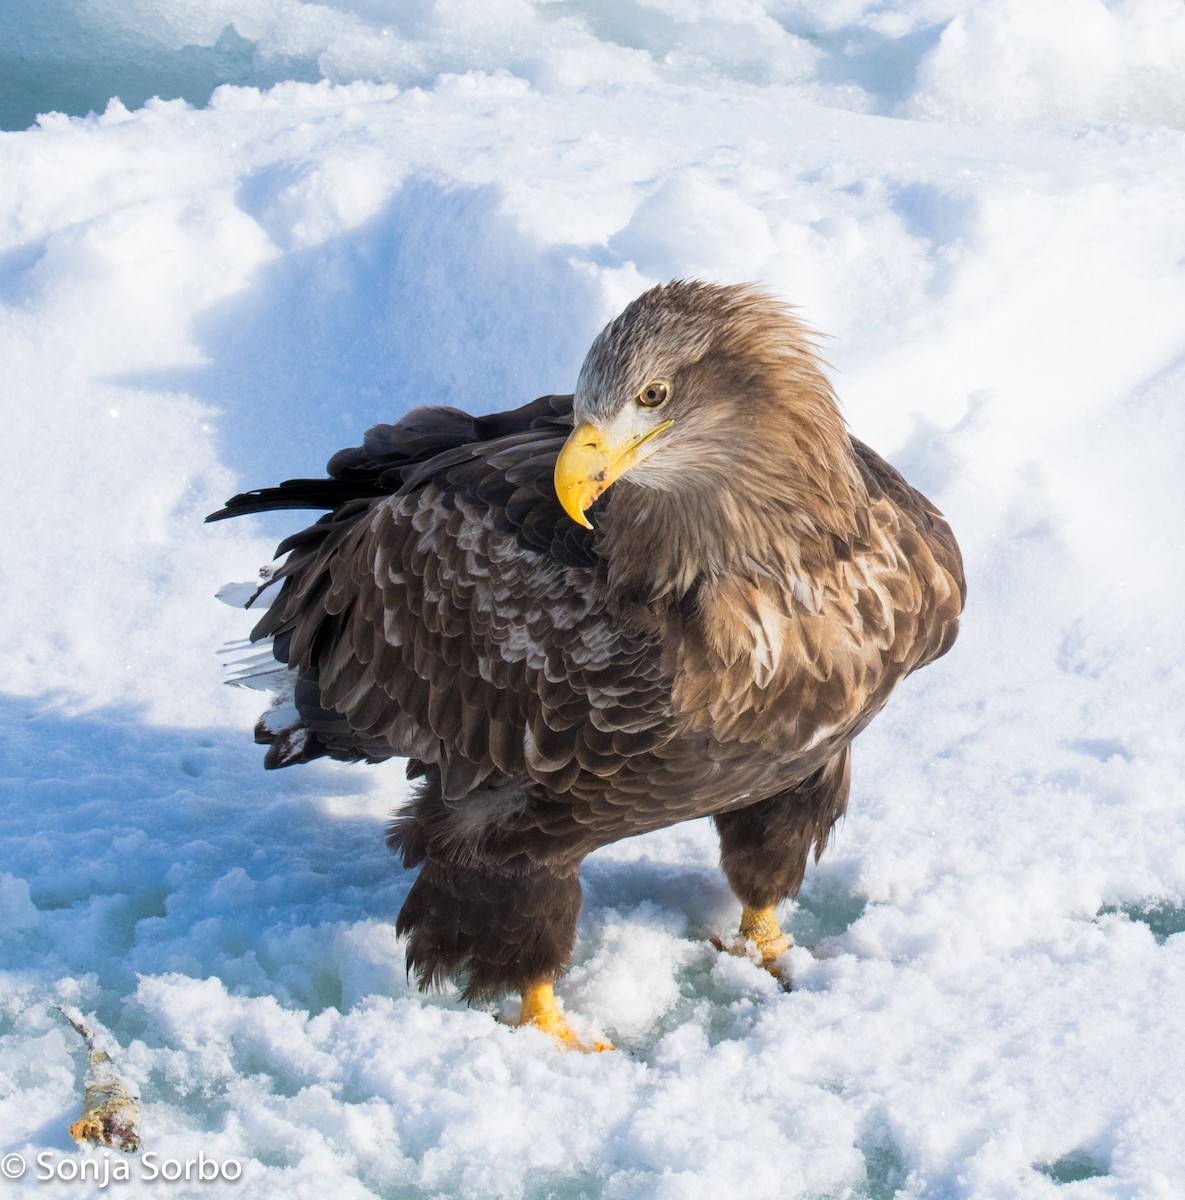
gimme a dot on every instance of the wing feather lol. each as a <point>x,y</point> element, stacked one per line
<point>456,618</point>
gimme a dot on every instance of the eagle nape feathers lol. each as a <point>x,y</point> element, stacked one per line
<point>681,591</point>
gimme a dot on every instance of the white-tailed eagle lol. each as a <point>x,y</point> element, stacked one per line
<point>682,591</point>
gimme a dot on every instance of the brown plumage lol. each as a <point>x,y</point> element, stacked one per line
<point>748,594</point>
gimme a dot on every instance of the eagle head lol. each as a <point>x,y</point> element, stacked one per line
<point>704,391</point>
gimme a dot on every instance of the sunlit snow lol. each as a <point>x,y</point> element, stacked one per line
<point>983,206</point>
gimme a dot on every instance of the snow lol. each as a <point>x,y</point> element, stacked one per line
<point>981,204</point>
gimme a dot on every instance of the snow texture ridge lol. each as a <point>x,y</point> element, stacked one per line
<point>364,207</point>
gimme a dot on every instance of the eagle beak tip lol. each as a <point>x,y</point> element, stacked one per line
<point>575,509</point>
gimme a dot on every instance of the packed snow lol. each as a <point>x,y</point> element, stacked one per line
<point>340,210</point>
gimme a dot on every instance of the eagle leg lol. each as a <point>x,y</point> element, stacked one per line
<point>493,926</point>
<point>540,1011</point>
<point>764,850</point>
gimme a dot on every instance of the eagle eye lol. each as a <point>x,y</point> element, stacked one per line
<point>654,394</point>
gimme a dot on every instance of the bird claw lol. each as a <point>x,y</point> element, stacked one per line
<point>540,1011</point>
<point>760,939</point>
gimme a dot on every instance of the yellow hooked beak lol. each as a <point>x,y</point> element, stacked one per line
<point>590,461</point>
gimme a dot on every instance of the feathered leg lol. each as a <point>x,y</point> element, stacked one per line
<point>764,850</point>
<point>495,926</point>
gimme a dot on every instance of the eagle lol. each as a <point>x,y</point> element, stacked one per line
<point>681,591</point>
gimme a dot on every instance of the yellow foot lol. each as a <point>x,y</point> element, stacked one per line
<point>541,1012</point>
<point>760,938</point>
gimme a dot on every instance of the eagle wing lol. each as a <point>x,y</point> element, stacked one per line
<point>447,610</point>
<point>923,539</point>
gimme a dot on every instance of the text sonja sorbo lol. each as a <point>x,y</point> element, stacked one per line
<point>109,1168</point>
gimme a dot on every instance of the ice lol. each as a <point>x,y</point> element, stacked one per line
<point>73,55</point>
<point>979,60</point>
<point>979,204</point>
